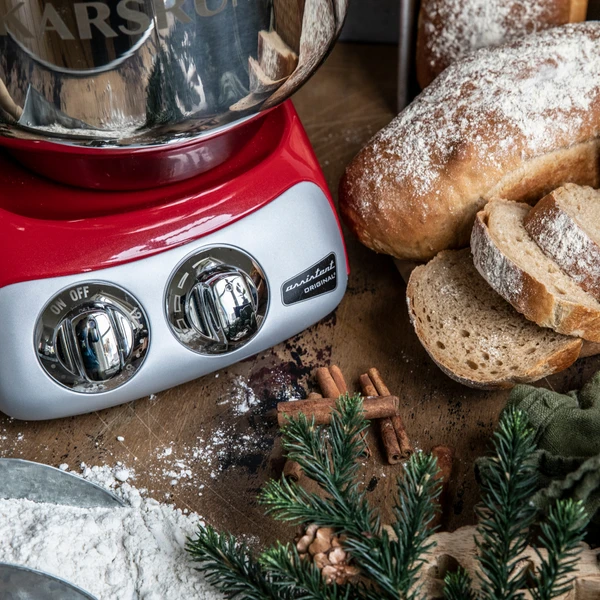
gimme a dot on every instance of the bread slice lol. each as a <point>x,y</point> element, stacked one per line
<point>516,268</point>
<point>565,224</point>
<point>475,336</point>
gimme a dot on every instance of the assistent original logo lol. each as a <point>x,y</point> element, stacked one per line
<point>318,279</point>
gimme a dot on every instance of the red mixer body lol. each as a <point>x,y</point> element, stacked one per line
<point>48,229</point>
<point>135,167</point>
<point>109,295</point>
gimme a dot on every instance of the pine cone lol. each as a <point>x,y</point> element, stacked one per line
<point>324,548</point>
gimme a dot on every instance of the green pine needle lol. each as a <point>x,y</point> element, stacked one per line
<point>506,513</point>
<point>458,586</point>
<point>562,534</point>
<point>395,564</point>
<point>331,459</point>
<point>230,567</point>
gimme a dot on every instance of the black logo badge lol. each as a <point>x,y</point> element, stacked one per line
<point>318,279</point>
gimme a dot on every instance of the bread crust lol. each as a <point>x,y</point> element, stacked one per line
<point>589,349</point>
<point>578,11</point>
<point>416,187</point>
<point>444,37</point>
<point>555,363</point>
<point>526,294</point>
<point>567,244</point>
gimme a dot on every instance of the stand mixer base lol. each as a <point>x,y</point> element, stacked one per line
<point>296,243</point>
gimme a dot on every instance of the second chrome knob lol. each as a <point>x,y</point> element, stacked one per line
<point>217,300</point>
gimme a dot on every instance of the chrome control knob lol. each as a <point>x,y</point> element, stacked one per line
<point>217,300</point>
<point>92,337</point>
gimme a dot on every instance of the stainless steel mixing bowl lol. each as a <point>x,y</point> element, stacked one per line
<point>131,73</point>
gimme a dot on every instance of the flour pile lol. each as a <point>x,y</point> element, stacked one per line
<point>132,553</point>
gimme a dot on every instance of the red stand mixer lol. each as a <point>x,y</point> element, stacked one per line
<point>162,214</point>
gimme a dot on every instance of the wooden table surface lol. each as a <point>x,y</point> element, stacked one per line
<point>198,446</point>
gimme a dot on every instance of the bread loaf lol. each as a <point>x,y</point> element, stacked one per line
<point>475,336</point>
<point>449,29</point>
<point>515,122</point>
<point>566,226</point>
<point>517,269</point>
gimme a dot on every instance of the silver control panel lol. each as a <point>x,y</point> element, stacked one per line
<point>92,337</point>
<point>88,341</point>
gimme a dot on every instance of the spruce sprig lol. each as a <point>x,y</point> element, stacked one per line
<point>331,460</point>
<point>459,586</point>
<point>561,537</point>
<point>394,563</point>
<point>230,567</point>
<point>506,513</point>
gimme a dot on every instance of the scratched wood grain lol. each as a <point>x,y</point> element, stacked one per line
<point>349,99</point>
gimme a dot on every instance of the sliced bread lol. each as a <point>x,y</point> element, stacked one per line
<point>515,267</point>
<point>565,224</point>
<point>475,336</point>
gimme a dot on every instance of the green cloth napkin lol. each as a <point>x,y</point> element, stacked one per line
<point>567,433</point>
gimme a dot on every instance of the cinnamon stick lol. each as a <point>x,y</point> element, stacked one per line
<point>367,390</point>
<point>406,448</point>
<point>367,387</point>
<point>390,441</point>
<point>375,377</point>
<point>377,407</point>
<point>340,382</point>
<point>338,388</point>
<point>329,388</point>
<point>370,383</point>
<point>445,462</point>
<point>292,470</point>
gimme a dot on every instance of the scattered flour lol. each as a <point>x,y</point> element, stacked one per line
<point>16,439</point>
<point>137,552</point>
<point>218,448</point>
<point>209,456</point>
<point>243,397</point>
<point>132,553</point>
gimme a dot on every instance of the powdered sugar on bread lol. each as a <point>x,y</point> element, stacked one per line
<point>538,91</point>
<point>453,28</point>
<point>560,238</point>
<point>416,187</point>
